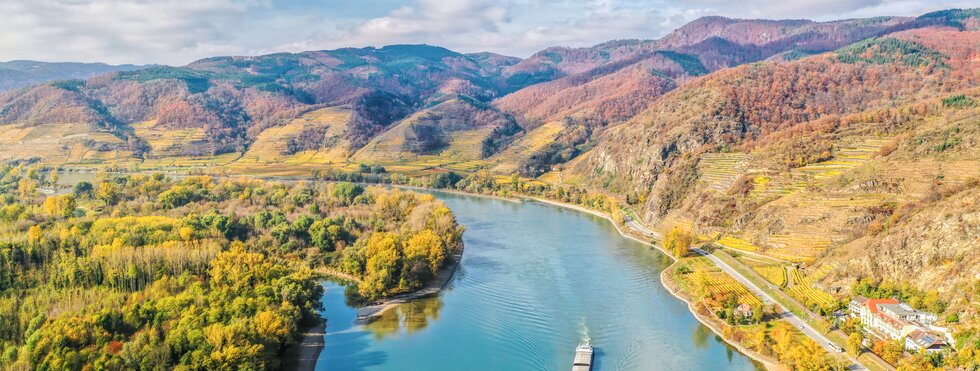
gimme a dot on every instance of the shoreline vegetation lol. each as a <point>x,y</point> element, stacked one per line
<point>224,267</point>
<point>435,286</point>
<point>665,281</point>
<point>390,303</point>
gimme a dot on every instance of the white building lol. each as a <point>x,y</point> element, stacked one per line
<point>891,319</point>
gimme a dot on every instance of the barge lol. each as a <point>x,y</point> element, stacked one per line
<point>583,357</point>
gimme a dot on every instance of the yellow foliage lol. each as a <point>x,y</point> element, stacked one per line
<point>427,244</point>
<point>34,234</point>
<point>678,242</point>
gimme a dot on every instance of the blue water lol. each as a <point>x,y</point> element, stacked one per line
<point>534,281</point>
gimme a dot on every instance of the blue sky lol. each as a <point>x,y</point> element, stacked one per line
<point>179,31</point>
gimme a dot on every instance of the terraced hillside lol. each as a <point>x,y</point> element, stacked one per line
<point>453,133</point>
<point>317,137</point>
<point>866,165</point>
<point>532,142</point>
<point>60,143</point>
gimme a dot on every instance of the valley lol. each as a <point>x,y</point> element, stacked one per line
<point>790,167</point>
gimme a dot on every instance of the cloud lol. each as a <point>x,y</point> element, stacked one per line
<point>115,30</point>
<point>515,27</point>
<point>180,31</point>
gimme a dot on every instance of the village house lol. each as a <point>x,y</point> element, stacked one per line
<point>744,310</point>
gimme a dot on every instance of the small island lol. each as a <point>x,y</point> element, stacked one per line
<point>412,253</point>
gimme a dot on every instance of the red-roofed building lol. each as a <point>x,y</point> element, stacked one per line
<point>869,312</point>
<point>889,318</point>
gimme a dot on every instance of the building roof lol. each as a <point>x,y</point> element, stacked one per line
<point>893,322</point>
<point>859,300</point>
<point>925,340</point>
<point>873,304</point>
<point>899,309</point>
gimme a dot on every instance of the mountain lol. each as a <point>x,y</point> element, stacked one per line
<point>223,105</point>
<point>18,74</point>
<point>220,105</point>
<point>858,163</point>
<point>593,89</point>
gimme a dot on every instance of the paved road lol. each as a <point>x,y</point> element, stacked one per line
<point>639,227</point>
<point>787,315</point>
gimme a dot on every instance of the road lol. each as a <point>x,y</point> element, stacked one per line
<point>787,314</point>
<point>634,225</point>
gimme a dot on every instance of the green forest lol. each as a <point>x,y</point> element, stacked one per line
<point>150,272</point>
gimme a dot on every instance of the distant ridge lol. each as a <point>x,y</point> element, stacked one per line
<point>20,73</point>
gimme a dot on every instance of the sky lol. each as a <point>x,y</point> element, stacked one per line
<point>176,32</point>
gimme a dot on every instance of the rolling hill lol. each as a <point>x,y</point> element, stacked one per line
<point>21,73</point>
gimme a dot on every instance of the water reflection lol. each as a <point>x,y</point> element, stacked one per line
<point>701,335</point>
<point>406,318</point>
<point>535,281</point>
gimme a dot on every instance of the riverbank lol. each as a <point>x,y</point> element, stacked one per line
<point>604,216</point>
<point>712,323</point>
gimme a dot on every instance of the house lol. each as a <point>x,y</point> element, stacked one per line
<point>744,310</point>
<point>871,319</point>
<point>921,341</point>
<point>856,304</point>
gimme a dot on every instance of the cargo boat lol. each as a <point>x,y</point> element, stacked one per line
<point>583,357</point>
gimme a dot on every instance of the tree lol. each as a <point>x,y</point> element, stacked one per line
<point>175,197</point>
<point>757,313</point>
<point>678,242</point>
<point>346,191</point>
<point>890,351</point>
<point>34,234</point>
<point>325,235</point>
<point>381,272</point>
<point>63,206</point>
<point>917,362</point>
<point>429,246</point>
<point>82,189</point>
<point>108,192</point>
<point>854,341</point>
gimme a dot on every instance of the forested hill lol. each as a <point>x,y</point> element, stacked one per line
<point>18,74</point>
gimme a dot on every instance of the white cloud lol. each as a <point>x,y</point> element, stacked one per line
<point>179,31</point>
<point>515,28</point>
<point>117,30</point>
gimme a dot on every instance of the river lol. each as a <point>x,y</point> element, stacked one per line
<point>534,281</point>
